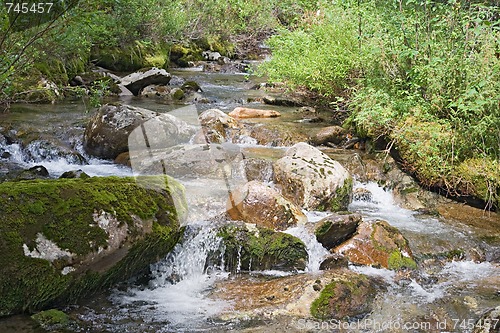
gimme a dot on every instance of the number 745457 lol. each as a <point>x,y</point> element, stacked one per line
<point>25,7</point>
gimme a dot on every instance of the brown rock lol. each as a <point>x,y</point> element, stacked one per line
<point>379,244</point>
<point>334,261</point>
<point>335,229</point>
<point>123,159</point>
<point>330,134</point>
<point>257,203</point>
<point>241,112</point>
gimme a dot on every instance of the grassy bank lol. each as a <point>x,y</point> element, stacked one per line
<point>423,75</point>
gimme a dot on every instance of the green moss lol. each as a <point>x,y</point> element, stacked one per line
<point>340,200</point>
<point>397,261</point>
<point>344,297</point>
<point>132,57</point>
<point>320,306</point>
<point>323,228</point>
<point>62,210</point>
<point>51,319</point>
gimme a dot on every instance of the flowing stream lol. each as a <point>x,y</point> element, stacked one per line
<point>178,296</point>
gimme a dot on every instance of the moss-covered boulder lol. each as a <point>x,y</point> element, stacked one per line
<point>346,296</point>
<point>51,320</point>
<point>134,56</point>
<point>250,248</point>
<point>312,180</point>
<point>378,244</point>
<point>64,239</point>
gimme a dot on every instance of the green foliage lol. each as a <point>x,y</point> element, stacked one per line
<point>323,54</point>
<point>425,74</point>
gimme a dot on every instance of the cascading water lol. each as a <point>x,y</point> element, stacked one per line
<point>176,296</point>
<point>316,252</point>
<point>468,285</point>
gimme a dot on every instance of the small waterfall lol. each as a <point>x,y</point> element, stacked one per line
<point>58,158</point>
<point>317,253</point>
<point>178,292</point>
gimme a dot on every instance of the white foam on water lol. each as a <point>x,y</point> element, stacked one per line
<point>179,290</point>
<point>382,206</point>
<point>316,252</point>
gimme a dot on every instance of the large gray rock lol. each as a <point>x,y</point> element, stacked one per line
<point>107,134</point>
<point>335,229</point>
<point>312,180</point>
<point>136,81</point>
<point>262,205</point>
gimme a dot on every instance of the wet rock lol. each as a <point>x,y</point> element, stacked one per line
<point>108,131</point>
<point>233,67</point>
<point>210,55</point>
<point>216,125</point>
<point>258,169</point>
<point>334,261</point>
<point>277,135</point>
<point>155,90</point>
<point>241,112</point>
<point>262,205</point>
<point>345,298</point>
<point>335,229</point>
<point>282,101</point>
<point>123,159</point>
<point>177,94</point>
<point>312,180</point>
<point>44,150</point>
<point>199,160</point>
<point>78,236</point>
<point>257,249</point>
<point>489,322</point>
<point>135,82</point>
<point>330,134</point>
<point>52,320</point>
<point>36,172</point>
<point>74,174</point>
<point>378,244</point>
<point>362,194</point>
<point>191,86</point>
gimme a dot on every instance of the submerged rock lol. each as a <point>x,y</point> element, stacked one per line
<point>313,180</point>
<point>277,135</point>
<point>379,244</point>
<point>264,206</point>
<point>251,248</point>
<point>335,229</point>
<point>64,239</point>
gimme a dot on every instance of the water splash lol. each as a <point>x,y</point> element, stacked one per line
<point>178,292</point>
<point>316,252</point>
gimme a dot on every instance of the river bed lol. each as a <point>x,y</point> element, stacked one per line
<point>184,295</point>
